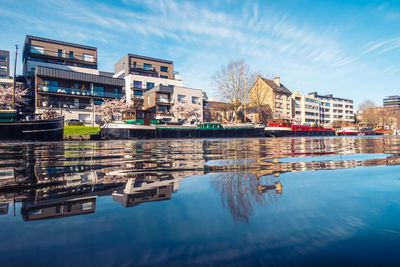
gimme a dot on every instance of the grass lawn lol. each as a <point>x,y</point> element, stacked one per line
<point>80,130</point>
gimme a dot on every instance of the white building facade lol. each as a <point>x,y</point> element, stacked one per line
<point>322,109</point>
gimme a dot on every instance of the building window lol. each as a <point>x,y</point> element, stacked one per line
<point>51,86</point>
<point>137,84</point>
<point>98,90</point>
<point>147,66</point>
<point>137,93</point>
<point>37,50</point>
<point>59,53</point>
<point>87,57</point>
<point>195,100</point>
<point>150,85</point>
<point>164,77</point>
<point>98,102</point>
<point>3,58</point>
<point>116,94</point>
<point>182,98</point>
<point>3,68</point>
<point>71,54</point>
<point>164,69</point>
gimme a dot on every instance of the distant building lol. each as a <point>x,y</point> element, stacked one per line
<point>64,76</point>
<point>307,109</point>
<point>392,101</point>
<point>144,73</point>
<point>274,94</point>
<point>334,108</point>
<point>4,64</point>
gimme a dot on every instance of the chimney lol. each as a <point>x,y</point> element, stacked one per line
<point>277,81</point>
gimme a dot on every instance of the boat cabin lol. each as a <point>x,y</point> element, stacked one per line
<point>142,117</point>
<point>279,123</point>
<point>210,125</point>
<point>8,115</point>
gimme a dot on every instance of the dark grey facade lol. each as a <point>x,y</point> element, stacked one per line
<point>392,101</point>
<point>4,64</point>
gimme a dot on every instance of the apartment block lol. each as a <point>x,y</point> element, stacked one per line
<point>334,108</point>
<point>272,93</point>
<point>175,103</point>
<point>307,109</point>
<point>143,73</point>
<point>64,76</point>
<point>4,64</point>
<point>392,101</point>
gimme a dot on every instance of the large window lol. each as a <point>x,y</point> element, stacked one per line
<point>88,58</point>
<point>37,49</point>
<point>98,90</point>
<point>182,98</point>
<point>59,53</point>
<point>150,85</point>
<point>147,66</point>
<point>116,94</point>
<point>137,93</point>
<point>3,58</point>
<point>164,69</point>
<point>195,100</point>
<point>137,84</point>
<point>51,86</point>
<point>71,54</point>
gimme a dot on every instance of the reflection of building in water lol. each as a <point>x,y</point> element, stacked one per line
<point>140,191</point>
<point>31,211</point>
<point>4,208</point>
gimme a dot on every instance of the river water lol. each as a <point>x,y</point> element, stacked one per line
<point>283,201</point>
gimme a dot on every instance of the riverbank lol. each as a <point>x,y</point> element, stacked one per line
<point>80,132</point>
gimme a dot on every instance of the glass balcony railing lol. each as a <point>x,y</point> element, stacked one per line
<point>78,92</point>
<point>64,105</point>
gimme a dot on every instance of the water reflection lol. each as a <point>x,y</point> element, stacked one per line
<point>54,180</point>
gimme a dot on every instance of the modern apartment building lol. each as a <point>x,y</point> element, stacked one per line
<point>4,64</point>
<point>174,103</point>
<point>65,76</point>
<point>274,94</point>
<point>334,108</point>
<point>144,73</point>
<point>307,109</point>
<point>392,101</point>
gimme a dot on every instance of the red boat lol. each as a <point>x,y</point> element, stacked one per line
<point>284,127</point>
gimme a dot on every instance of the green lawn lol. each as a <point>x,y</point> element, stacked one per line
<point>80,130</point>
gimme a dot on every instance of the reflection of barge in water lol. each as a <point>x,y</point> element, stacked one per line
<point>284,127</point>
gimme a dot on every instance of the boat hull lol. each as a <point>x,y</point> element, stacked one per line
<point>290,133</point>
<point>158,133</point>
<point>40,130</point>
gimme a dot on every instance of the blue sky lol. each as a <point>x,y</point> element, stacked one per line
<point>348,48</point>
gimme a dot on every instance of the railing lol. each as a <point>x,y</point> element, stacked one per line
<point>142,67</point>
<point>64,55</point>
<point>164,101</point>
<point>65,105</point>
<point>77,92</point>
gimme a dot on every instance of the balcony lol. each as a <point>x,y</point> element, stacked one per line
<point>64,105</point>
<point>144,70</point>
<point>63,57</point>
<point>77,92</point>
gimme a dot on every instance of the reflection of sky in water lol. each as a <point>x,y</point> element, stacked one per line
<point>221,216</point>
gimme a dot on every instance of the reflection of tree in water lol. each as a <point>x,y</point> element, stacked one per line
<point>241,190</point>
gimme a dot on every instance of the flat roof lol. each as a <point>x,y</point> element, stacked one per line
<point>30,37</point>
<point>151,58</point>
<point>78,76</point>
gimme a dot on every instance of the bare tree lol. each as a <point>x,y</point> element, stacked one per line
<point>369,113</point>
<point>232,83</point>
<point>111,109</point>
<point>6,97</point>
